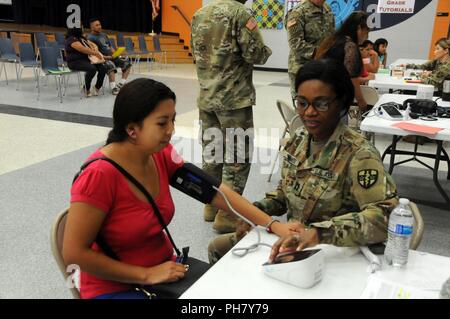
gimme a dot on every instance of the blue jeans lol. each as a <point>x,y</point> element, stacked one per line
<point>129,294</point>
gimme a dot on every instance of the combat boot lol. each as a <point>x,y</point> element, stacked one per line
<point>225,222</point>
<point>209,213</point>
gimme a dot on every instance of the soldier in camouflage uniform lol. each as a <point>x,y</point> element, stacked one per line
<point>307,25</point>
<point>226,43</point>
<point>437,69</point>
<point>332,181</point>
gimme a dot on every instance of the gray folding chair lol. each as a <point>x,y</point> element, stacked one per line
<point>56,241</point>
<point>287,114</point>
<point>417,228</point>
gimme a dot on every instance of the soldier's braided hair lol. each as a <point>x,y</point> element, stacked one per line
<point>334,74</point>
<point>135,101</point>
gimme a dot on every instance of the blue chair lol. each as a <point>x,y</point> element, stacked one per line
<point>112,43</point>
<point>41,39</point>
<point>157,49</point>
<point>27,60</point>
<point>120,40</point>
<point>57,48</point>
<point>131,53</point>
<point>61,39</point>
<point>7,55</point>
<point>145,53</point>
<point>50,67</point>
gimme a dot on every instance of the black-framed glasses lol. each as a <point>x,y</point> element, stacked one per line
<point>321,104</point>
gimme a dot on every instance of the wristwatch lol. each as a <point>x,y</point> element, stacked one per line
<point>269,225</point>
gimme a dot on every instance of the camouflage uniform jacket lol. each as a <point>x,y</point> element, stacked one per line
<point>439,71</point>
<point>343,189</point>
<point>307,25</point>
<point>226,43</point>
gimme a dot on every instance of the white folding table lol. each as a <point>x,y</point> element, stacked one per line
<point>345,275</point>
<point>405,61</point>
<point>376,124</point>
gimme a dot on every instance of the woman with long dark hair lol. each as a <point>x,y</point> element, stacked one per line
<point>78,50</point>
<point>380,47</point>
<point>343,46</point>
<point>105,204</point>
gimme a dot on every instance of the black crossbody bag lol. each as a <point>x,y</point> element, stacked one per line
<point>160,291</point>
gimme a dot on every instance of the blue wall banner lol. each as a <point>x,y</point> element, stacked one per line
<point>342,9</point>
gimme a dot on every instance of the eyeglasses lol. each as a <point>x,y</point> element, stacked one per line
<point>321,104</point>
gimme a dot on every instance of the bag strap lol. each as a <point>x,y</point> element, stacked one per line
<point>149,197</point>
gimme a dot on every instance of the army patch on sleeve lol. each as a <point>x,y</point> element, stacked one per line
<point>367,178</point>
<point>251,24</point>
<point>291,23</point>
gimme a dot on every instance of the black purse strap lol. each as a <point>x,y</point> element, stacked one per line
<point>149,197</point>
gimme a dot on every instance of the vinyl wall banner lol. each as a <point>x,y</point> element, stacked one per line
<point>395,6</point>
<point>392,12</point>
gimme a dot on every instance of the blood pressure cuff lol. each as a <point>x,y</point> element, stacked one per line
<point>194,182</point>
<point>421,106</point>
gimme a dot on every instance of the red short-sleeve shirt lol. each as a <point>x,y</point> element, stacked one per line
<point>131,229</point>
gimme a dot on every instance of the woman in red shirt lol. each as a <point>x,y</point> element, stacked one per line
<point>104,202</point>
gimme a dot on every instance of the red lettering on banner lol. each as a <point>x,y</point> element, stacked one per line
<point>396,2</point>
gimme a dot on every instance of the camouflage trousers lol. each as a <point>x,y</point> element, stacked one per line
<point>227,156</point>
<point>292,83</point>
<point>219,246</point>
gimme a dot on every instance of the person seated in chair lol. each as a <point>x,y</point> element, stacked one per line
<point>380,47</point>
<point>333,182</point>
<point>107,208</point>
<point>101,39</point>
<point>79,52</point>
<point>437,69</point>
<point>369,56</point>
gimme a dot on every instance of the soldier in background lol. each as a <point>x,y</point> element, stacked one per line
<point>307,24</point>
<point>333,182</point>
<point>226,43</point>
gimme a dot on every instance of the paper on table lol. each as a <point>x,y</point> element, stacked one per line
<point>378,288</point>
<point>425,271</point>
<point>417,128</point>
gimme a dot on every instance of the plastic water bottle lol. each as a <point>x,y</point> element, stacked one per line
<point>400,230</point>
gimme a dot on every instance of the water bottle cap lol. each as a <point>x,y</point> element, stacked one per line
<point>404,201</point>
